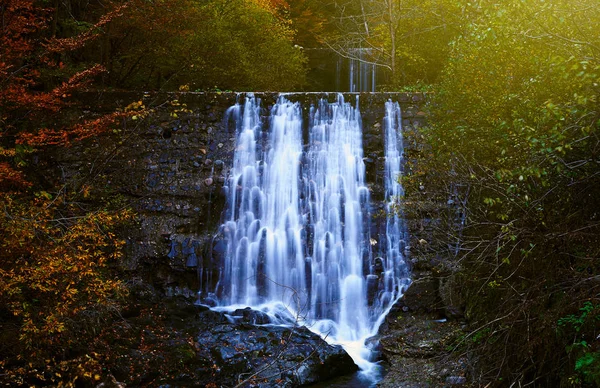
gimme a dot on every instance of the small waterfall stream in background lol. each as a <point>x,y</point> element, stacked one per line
<point>297,223</point>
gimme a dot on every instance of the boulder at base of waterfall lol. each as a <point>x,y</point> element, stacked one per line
<point>268,356</point>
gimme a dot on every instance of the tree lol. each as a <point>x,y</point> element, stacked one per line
<point>517,123</point>
<point>241,44</point>
<point>56,248</point>
<point>408,38</point>
<point>27,53</point>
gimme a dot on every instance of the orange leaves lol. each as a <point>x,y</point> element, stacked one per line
<point>65,136</point>
<point>79,41</point>
<point>53,268</point>
<point>77,81</point>
<point>20,19</point>
<point>11,179</point>
<point>24,59</point>
<point>273,6</point>
<point>57,257</point>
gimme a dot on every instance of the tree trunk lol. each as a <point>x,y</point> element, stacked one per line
<point>392,27</point>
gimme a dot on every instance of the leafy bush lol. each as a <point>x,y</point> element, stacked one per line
<point>515,135</point>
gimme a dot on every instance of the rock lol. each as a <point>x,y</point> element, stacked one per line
<point>372,287</point>
<point>453,312</point>
<point>219,249</point>
<point>111,382</point>
<point>414,340</point>
<point>456,380</point>
<point>209,301</point>
<point>281,356</point>
<point>192,260</point>
<point>253,317</point>
<point>208,181</point>
<point>373,344</point>
<point>422,295</point>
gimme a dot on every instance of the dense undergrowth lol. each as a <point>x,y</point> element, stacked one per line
<point>515,139</point>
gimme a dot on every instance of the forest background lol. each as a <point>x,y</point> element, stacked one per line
<point>513,137</point>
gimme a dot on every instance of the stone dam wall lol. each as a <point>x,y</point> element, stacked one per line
<point>171,164</point>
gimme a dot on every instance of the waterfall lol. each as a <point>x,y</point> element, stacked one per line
<point>297,223</point>
<point>395,273</point>
<point>338,208</point>
<point>356,72</point>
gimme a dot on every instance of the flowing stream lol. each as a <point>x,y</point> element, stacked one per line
<point>297,223</point>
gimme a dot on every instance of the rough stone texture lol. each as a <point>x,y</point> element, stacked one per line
<point>172,166</point>
<point>420,332</point>
<point>171,342</point>
<point>416,340</point>
<point>268,356</point>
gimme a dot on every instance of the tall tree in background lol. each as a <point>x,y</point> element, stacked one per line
<point>310,21</point>
<point>240,44</point>
<point>30,105</point>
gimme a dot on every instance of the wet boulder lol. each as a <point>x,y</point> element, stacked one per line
<point>250,316</point>
<point>269,356</point>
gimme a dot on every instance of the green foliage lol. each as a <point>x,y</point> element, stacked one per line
<point>588,366</point>
<point>516,134</point>
<point>577,321</point>
<point>586,355</point>
<point>212,44</point>
<point>162,44</point>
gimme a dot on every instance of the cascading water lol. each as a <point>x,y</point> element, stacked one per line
<point>356,72</point>
<point>264,250</point>
<point>395,271</point>
<point>297,223</point>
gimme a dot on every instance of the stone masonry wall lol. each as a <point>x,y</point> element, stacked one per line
<point>171,166</point>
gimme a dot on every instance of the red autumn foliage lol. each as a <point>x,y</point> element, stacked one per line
<point>74,43</point>
<point>78,132</point>
<point>57,281</point>
<point>11,179</point>
<point>25,51</point>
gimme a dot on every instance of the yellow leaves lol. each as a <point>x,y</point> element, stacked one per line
<point>136,110</point>
<point>53,268</point>
<point>493,284</point>
<point>7,153</point>
<point>135,106</point>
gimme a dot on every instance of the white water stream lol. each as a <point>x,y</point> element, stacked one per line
<point>297,226</point>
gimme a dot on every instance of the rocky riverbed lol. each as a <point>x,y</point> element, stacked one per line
<point>417,338</point>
